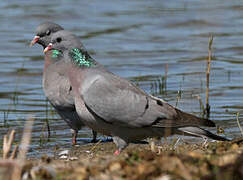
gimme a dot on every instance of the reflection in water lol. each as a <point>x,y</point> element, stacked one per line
<point>161,46</point>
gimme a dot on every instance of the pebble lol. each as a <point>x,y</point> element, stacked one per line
<point>43,171</point>
<point>64,152</point>
<point>73,158</point>
<point>63,157</point>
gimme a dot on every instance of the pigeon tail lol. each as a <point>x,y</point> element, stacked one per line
<point>182,119</point>
<point>196,131</point>
<point>194,120</point>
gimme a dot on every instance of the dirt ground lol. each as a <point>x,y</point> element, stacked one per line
<point>214,160</point>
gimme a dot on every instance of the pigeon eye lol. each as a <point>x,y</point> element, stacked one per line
<point>59,39</point>
<point>48,32</point>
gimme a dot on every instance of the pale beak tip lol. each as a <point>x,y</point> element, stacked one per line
<point>35,40</point>
<point>49,47</point>
<point>46,49</point>
<point>31,44</point>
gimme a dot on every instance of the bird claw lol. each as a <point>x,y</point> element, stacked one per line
<point>205,142</point>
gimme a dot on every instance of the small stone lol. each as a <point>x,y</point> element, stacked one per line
<point>227,159</point>
<point>63,157</point>
<point>234,146</point>
<point>45,159</point>
<point>26,176</point>
<point>81,170</point>
<point>64,152</point>
<point>73,158</point>
<point>104,176</point>
<point>141,168</point>
<point>115,166</point>
<point>41,172</point>
<point>81,173</point>
<point>196,154</point>
<point>163,177</point>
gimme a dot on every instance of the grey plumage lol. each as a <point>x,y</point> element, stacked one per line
<point>114,106</point>
<point>56,85</point>
<point>44,32</point>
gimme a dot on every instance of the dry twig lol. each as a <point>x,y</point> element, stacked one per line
<point>238,122</point>
<point>14,166</point>
<point>7,144</point>
<point>208,74</point>
<point>25,141</point>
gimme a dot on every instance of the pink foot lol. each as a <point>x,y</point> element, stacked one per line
<point>117,152</point>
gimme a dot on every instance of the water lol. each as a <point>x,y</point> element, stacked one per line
<point>137,40</point>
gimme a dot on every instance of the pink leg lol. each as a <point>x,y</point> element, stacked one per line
<point>117,152</point>
<point>120,144</point>
<point>74,141</point>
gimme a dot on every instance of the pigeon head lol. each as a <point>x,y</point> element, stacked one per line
<point>64,41</point>
<point>44,33</point>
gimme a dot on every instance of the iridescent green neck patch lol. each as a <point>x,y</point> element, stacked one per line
<point>55,53</point>
<point>80,58</point>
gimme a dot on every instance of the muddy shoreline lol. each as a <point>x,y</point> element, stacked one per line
<point>213,160</point>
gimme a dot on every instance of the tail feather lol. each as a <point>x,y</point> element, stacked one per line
<point>173,117</point>
<point>194,120</point>
<point>196,131</point>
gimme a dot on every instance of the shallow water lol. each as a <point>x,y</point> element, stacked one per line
<point>138,40</point>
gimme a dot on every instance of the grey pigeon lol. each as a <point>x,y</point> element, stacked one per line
<point>114,106</point>
<point>57,87</point>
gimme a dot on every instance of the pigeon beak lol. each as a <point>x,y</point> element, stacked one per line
<point>35,40</point>
<point>49,47</point>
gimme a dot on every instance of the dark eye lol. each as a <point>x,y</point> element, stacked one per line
<point>59,39</point>
<point>48,32</point>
